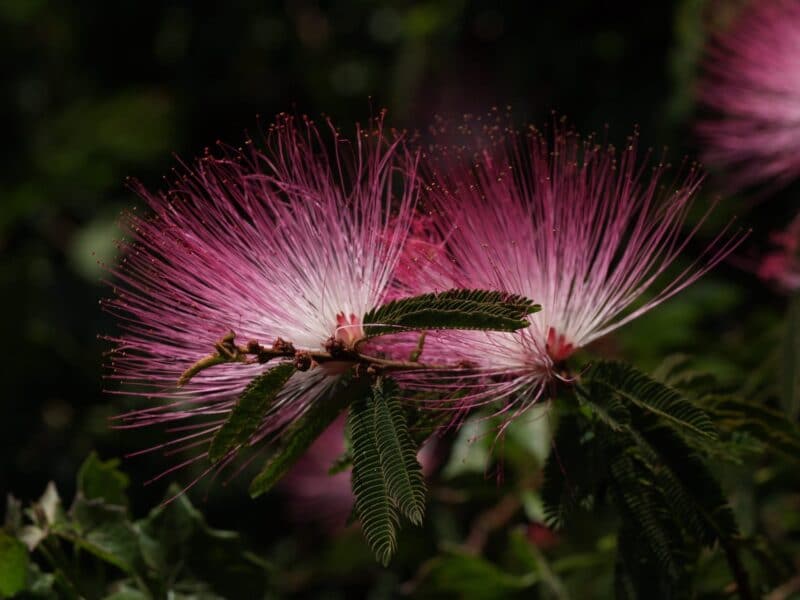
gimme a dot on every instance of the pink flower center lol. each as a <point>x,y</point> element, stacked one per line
<point>348,329</point>
<point>557,345</point>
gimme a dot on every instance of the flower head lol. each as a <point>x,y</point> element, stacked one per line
<point>580,227</point>
<point>752,86</point>
<point>289,246</point>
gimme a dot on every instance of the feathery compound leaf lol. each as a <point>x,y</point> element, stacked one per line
<point>398,454</point>
<point>249,410</point>
<point>655,397</point>
<point>453,309</point>
<point>669,500</point>
<point>302,433</point>
<point>771,428</point>
<point>374,506</point>
<point>642,507</point>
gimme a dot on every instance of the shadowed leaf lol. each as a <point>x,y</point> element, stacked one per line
<point>249,411</point>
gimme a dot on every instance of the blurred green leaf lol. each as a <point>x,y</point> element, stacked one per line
<point>104,530</point>
<point>177,543</point>
<point>102,480</point>
<point>13,565</point>
<point>461,575</point>
<point>470,452</point>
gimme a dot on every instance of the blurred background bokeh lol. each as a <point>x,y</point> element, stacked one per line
<point>92,93</point>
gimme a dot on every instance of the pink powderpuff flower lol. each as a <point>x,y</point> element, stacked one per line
<point>295,243</point>
<point>781,266</point>
<point>581,228</point>
<point>752,88</point>
<point>315,494</point>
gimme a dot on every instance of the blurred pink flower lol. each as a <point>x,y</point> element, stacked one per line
<point>781,265</point>
<point>752,87</point>
<point>581,228</point>
<point>316,495</point>
<point>295,242</point>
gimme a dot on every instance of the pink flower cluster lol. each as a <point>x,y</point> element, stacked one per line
<point>295,243</point>
<point>751,87</point>
<point>299,241</point>
<point>584,228</point>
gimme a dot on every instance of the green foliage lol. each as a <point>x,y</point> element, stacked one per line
<point>457,574</point>
<point>632,386</point>
<point>453,309</point>
<point>249,411</point>
<point>387,478</point>
<point>397,452</point>
<point>767,429</point>
<point>629,443</point>
<point>96,550</point>
<point>747,426</point>
<point>13,565</point>
<point>104,530</point>
<point>99,480</point>
<point>374,506</point>
<point>573,472</point>
<point>302,433</point>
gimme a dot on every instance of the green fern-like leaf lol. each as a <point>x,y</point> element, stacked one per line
<point>643,508</point>
<point>653,396</point>
<point>398,454</point>
<point>249,411</point>
<point>453,309</point>
<point>668,499</point>
<point>772,429</point>
<point>373,503</point>
<point>692,492</point>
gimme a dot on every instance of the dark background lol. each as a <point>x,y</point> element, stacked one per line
<point>93,92</point>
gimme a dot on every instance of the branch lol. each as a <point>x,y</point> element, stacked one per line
<point>254,352</point>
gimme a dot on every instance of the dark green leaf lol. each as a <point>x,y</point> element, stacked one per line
<point>572,473</point>
<point>177,541</point>
<point>300,435</point>
<point>771,428</point>
<point>374,506</point>
<point>103,530</point>
<point>643,509</point>
<point>461,575</point>
<point>398,454</point>
<point>13,565</point>
<point>248,413</point>
<point>453,309</point>
<point>102,480</point>
<point>641,390</point>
